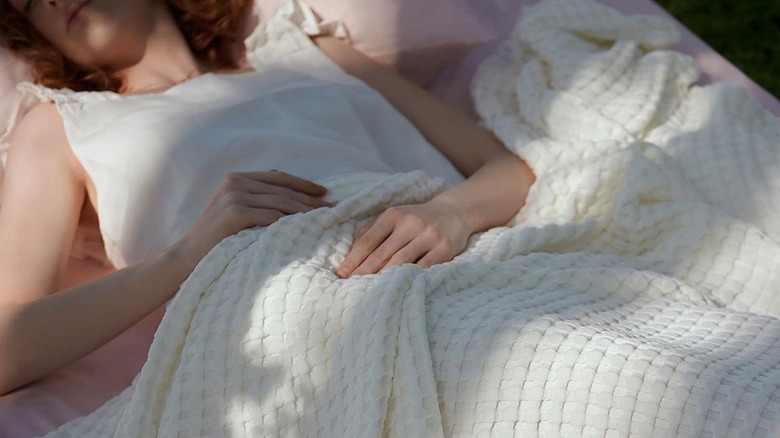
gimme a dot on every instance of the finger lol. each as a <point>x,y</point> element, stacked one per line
<point>280,203</point>
<point>386,250</point>
<point>365,245</point>
<point>238,186</point>
<point>362,230</point>
<point>261,188</point>
<point>434,257</point>
<point>416,249</point>
<point>256,217</point>
<point>284,179</point>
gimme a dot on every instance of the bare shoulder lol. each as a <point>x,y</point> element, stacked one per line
<point>42,122</point>
<point>42,195</point>
<point>39,141</point>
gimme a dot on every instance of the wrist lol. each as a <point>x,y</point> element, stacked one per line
<point>457,210</point>
<point>182,256</point>
<point>494,194</point>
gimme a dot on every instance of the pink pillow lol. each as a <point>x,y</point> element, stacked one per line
<point>419,38</point>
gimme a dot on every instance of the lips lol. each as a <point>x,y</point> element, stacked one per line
<point>74,9</point>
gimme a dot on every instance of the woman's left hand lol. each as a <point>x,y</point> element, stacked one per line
<point>426,234</point>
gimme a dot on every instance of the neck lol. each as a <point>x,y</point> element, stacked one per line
<point>167,60</point>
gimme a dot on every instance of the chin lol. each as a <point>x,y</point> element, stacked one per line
<point>109,49</point>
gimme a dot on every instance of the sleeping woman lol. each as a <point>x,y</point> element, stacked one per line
<point>148,120</point>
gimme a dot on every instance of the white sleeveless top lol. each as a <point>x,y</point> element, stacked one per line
<point>156,160</point>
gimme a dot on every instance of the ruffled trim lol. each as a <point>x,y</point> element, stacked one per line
<point>63,96</point>
<point>32,94</point>
<point>290,31</point>
<point>45,94</point>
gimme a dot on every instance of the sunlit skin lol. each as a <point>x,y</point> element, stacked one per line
<point>45,187</point>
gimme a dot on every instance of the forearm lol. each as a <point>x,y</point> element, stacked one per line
<point>41,334</point>
<point>493,194</point>
<point>498,181</point>
<point>436,231</point>
<point>466,144</point>
<point>47,334</point>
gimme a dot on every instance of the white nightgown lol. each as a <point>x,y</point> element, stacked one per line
<point>157,159</point>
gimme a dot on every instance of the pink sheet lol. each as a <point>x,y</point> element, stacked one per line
<point>80,388</point>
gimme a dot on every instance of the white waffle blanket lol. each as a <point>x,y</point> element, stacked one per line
<point>635,294</point>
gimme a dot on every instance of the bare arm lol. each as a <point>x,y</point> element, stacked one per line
<point>41,200</point>
<point>496,188</point>
<point>44,187</point>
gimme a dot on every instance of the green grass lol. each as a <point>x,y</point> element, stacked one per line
<point>746,32</point>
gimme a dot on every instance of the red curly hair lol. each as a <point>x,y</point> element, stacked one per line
<point>210,27</point>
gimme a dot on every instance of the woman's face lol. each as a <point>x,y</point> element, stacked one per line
<point>93,33</point>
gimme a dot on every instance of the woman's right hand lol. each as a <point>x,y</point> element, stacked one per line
<point>246,200</point>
